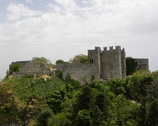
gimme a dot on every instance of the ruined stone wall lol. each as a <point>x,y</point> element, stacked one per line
<point>21,63</point>
<point>79,71</point>
<point>34,68</point>
<point>142,64</point>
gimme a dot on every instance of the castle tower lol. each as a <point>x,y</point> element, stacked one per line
<point>113,63</point>
<point>94,59</point>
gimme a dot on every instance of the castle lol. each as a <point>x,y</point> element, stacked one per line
<point>102,64</point>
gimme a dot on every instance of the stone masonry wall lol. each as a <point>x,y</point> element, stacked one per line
<point>142,64</point>
<point>123,62</point>
<point>111,63</point>
<point>94,58</point>
<point>21,63</point>
<point>34,68</point>
<point>78,71</point>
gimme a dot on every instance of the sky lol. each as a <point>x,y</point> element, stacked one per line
<point>61,29</point>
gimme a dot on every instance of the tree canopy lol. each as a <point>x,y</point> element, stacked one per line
<point>59,61</point>
<point>44,60</point>
<point>131,65</point>
<point>41,59</point>
<point>131,101</point>
<point>80,58</point>
<point>14,68</point>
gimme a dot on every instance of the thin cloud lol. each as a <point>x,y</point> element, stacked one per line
<point>29,1</point>
<point>18,11</point>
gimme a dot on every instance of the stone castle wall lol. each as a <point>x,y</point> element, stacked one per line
<point>142,64</point>
<point>123,63</point>
<point>79,71</point>
<point>34,68</point>
<point>21,63</point>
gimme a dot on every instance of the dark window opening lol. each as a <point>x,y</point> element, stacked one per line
<point>91,60</point>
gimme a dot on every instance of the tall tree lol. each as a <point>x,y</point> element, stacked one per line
<point>84,98</point>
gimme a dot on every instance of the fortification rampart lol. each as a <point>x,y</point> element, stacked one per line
<point>142,63</point>
<point>34,68</point>
<point>20,63</point>
<point>79,71</point>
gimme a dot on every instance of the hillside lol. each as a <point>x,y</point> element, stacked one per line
<point>56,102</point>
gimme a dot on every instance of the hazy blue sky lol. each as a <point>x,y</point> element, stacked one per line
<point>60,29</point>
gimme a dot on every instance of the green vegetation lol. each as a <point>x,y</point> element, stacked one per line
<point>131,65</point>
<point>59,61</point>
<point>44,60</point>
<point>14,68</point>
<point>80,58</point>
<point>41,59</point>
<point>56,102</point>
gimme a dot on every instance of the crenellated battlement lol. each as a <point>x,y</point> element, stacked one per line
<point>112,48</point>
<point>97,48</point>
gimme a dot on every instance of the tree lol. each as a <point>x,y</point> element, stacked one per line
<point>102,104</point>
<point>8,108</point>
<point>138,82</point>
<point>59,74</point>
<point>59,119</point>
<point>14,68</point>
<point>97,116</point>
<point>117,86</point>
<point>59,61</point>
<point>83,118</point>
<point>84,98</point>
<point>54,101</point>
<point>153,113</point>
<point>43,60</point>
<point>152,90</point>
<point>131,65</point>
<point>44,116</point>
<point>80,58</point>
<point>122,112</point>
